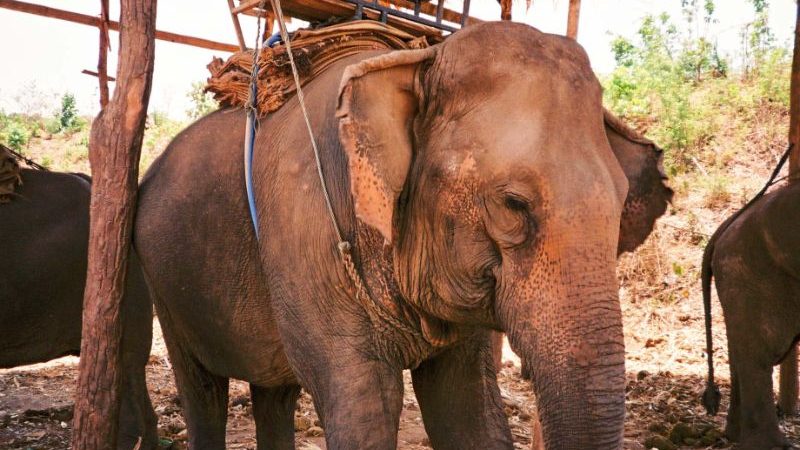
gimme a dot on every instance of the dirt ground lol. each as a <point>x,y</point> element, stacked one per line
<point>665,379</point>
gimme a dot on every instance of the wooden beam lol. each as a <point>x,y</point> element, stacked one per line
<point>115,144</point>
<point>430,9</point>
<point>95,74</point>
<point>102,60</point>
<point>54,13</point>
<point>794,104</point>
<point>237,26</point>
<point>573,19</point>
<point>245,6</point>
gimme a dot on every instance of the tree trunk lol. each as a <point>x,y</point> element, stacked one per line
<point>114,148</point>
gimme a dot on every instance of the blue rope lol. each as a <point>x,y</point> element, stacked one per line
<point>249,143</point>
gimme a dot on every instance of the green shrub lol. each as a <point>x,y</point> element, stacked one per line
<point>17,136</point>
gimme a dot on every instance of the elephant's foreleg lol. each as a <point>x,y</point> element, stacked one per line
<point>459,398</point>
<point>273,410</point>
<point>359,402</point>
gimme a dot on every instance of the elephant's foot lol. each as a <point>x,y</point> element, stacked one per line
<point>773,440</point>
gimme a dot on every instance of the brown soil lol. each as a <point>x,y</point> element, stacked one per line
<point>665,380</point>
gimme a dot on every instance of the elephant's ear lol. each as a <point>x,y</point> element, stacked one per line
<point>378,102</point>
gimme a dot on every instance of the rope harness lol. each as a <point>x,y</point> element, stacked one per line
<point>378,314</point>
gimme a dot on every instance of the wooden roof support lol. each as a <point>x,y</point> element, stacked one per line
<point>573,18</point>
<point>102,60</point>
<point>237,26</point>
<point>794,104</point>
<point>114,148</point>
<point>505,9</point>
<point>55,13</point>
<point>95,74</point>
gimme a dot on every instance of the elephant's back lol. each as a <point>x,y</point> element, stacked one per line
<point>198,250</point>
<point>43,233</point>
<point>765,238</point>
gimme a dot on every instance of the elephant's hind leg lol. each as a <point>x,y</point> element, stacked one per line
<point>204,399</point>
<point>758,420</point>
<point>273,409</point>
<point>459,398</point>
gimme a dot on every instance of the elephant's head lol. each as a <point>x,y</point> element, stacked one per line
<point>484,164</point>
<point>648,193</point>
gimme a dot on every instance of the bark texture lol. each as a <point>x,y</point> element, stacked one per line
<point>114,148</point>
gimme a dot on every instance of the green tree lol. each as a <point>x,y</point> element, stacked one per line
<point>68,116</point>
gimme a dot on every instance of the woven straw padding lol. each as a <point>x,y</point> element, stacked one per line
<point>314,51</point>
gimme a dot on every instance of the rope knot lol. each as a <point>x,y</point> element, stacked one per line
<point>344,247</point>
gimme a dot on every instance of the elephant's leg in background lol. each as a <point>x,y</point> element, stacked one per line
<point>273,410</point>
<point>758,420</point>
<point>136,416</point>
<point>733,429</point>
<point>459,398</point>
<point>204,397</point>
<point>787,400</point>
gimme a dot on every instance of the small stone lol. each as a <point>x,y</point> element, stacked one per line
<point>658,428</point>
<point>659,442</point>
<point>314,431</point>
<point>711,437</point>
<point>642,374</point>
<point>302,423</point>
<point>681,431</point>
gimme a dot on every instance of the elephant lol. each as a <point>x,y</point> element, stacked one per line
<point>44,232</point>
<point>474,189</point>
<point>753,261</point>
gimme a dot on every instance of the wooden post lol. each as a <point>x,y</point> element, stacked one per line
<point>114,148</point>
<point>505,9</point>
<point>102,61</point>
<point>794,104</point>
<point>573,19</point>
<point>788,379</point>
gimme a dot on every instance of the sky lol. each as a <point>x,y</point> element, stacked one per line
<point>43,58</point>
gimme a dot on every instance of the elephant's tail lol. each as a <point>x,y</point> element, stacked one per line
<point>711,395</point>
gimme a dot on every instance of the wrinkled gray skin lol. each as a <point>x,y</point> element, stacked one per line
<point>648,193</point>
<point>470,209</point>
<point>754,261</point>
<point>44,232</point>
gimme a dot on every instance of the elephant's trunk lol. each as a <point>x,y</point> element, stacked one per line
<point>569,332</point>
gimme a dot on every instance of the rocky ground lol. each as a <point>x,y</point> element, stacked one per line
<point>664,383</point>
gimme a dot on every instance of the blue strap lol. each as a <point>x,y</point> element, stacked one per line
<point>249,144</point>
<point>274,39</point>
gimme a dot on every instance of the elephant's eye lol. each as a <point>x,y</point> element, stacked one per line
<point>516,203</point>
